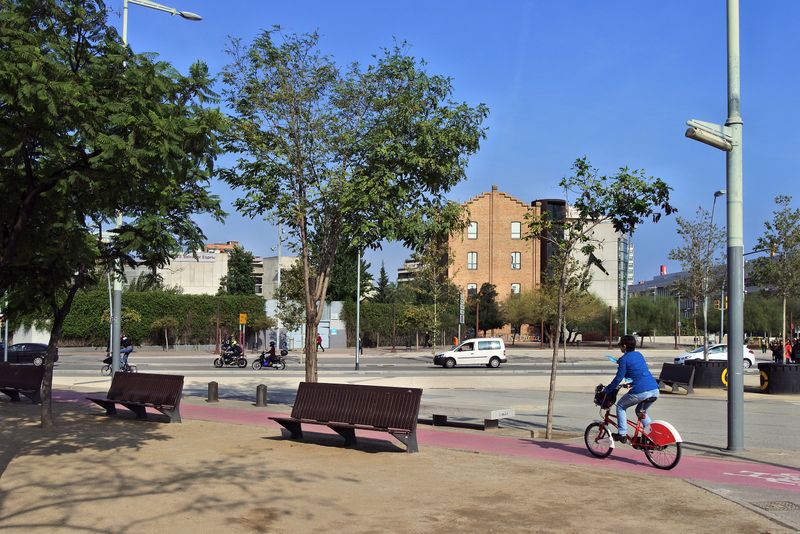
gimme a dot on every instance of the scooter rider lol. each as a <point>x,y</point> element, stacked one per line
<point>271,356</point>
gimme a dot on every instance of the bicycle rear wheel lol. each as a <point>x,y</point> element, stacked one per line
<point>105,370</point>
<point>598,440</point>
<point>664,456</point>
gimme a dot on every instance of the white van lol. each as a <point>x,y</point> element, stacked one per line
<point>488,351</point>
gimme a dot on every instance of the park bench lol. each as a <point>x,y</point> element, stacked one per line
<point>346,408</point>
<point>677,376</point>
<point>25,379</point>
<point>491,417</point>
<point>139,391</point>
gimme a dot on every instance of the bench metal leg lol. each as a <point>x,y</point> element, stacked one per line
<point>293,427</point>
<point>12,394</point>
<point>140,411</point>
<point>349,434</point>
<point>110,406</point>
<point>439,420</point>
<point>409,440</point>
<point>173,414</point>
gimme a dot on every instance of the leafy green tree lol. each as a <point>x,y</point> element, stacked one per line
<point>624,200</point>
<point>646,315</point>
<point>239,280</point>
<point>341,156</point>
<point>88,128</point>
<point>484,304</point>
<point>165,324</point>
<point>384,291</point>
<point>780,272</point>
<point>291,311</point>
<point>702,242</point>
<point>344,277</point>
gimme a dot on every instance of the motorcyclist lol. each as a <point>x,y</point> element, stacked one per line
<point>271,357</point>
<point>233,347</point>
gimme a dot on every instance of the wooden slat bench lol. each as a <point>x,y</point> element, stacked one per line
<point>346,408</point>
<point>25,379</point>
<point>139,391</point>
<point>677,376</point>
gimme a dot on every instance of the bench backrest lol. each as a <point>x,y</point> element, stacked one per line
<point>23,377</point>
<point>673,372</point>
<point>378,406</point>
<point>163,390</point>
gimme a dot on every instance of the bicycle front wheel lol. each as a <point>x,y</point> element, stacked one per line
<point>664,456</point>
<point>105,370</point>
<point>598,440</point>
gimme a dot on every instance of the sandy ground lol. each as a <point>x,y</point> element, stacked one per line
<point>98,474</point>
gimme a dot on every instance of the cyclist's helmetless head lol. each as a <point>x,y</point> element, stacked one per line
<point>627,343</point>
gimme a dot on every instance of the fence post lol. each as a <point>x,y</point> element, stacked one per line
<point>261,395</point>
<point>213,392</point>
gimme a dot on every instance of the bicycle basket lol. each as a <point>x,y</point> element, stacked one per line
<point>107,361</point>
<point>604,400</point>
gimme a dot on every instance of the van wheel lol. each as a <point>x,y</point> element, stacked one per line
<point>747,364</point>
<point>38,361</point>
<point>494,363</point>
<point>449,363</point>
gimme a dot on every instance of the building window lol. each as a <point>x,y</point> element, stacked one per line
<point>516,260</point>
<point>515,288</point>
<point>516,230</point>
<point>472,289</point>
<point>472,260</point>
<point>472,230</point>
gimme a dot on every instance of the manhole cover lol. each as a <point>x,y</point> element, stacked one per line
<point>778,506</point>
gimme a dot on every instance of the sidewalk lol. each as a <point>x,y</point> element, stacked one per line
<point>227,468</point>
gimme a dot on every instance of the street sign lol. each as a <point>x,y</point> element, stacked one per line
<point>460,308</point>
<point>242,318</point>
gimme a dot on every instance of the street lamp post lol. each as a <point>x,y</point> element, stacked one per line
<point>116,301</point>
<point>728,137</point>
<point>709,259</point>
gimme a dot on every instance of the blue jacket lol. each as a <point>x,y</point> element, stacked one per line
<point>633,366</point>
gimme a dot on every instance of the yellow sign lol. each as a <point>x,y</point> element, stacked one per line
<point>242,318</point>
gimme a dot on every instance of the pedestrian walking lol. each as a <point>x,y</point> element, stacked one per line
<point>777,350</point>
<point>787,354</point>
<point>319,343</point>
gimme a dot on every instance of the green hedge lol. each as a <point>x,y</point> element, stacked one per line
<point>87,322</point>
<point>381,321</point>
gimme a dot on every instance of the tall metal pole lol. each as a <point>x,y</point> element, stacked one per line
<point>116,300</point>
<point>358,305</point>
<point>627,268</point>
<point>280,243</point>
<point>705,279</point>
<point>735,241</point>
<point>722,313</point>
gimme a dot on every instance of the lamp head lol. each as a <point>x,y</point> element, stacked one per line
<point>188,15</point>
<point>719,193</point>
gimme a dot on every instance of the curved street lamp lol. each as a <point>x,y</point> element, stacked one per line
<point>709,259</point>
<point>116,301</point>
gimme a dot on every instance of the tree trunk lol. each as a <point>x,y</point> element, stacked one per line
<point>311,349</point>
<point>59,314</point>
<point>551,396</point>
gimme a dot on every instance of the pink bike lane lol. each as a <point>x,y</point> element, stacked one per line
<point>723,471</point>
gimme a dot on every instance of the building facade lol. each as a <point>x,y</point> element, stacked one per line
<point>492,248</point>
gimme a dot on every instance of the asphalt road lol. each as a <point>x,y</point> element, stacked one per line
<point>471,391</point>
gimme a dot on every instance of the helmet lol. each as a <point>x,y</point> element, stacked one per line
<point>271,343</point>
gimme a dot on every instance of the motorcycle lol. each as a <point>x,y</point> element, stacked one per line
<point>264,361</point>
<point>231,357</point>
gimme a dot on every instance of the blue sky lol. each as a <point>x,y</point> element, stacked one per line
<point>615,81</point>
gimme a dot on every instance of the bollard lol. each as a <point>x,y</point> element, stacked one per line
<point>261,395</point>
<point>213,392</point>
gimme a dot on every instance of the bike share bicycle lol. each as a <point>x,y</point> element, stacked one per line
<point>125,368</point>
<point>661,445</point>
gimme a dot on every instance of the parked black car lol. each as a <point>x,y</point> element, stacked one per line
<point>27,353</point>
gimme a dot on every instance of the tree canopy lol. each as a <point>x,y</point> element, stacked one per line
<point>340,156</point>
<point>88,129</point>
<point>239,280</point>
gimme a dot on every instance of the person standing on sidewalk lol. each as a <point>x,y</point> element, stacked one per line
<point>632,365</point>
<point>319,343</point>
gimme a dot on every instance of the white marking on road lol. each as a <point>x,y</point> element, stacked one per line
<point>790,479</point>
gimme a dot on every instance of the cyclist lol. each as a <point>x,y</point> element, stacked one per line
<point>642,386</point>
<point>125,348</point>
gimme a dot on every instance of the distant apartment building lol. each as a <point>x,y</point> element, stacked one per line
<point>227,246</point>
<point>196,276</point>
<point>408,271</point>
<point>492,248</point>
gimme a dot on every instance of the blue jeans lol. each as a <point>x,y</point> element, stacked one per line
<point>628,400</point>
<point>123,355</point>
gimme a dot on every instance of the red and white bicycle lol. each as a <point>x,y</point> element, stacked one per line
<point>661,445</point>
